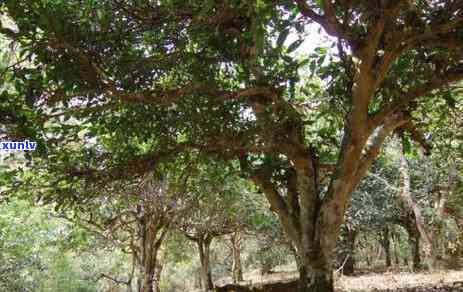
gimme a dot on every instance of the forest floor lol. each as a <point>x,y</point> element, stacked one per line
<point>395,280</point>
<point>366,281</point>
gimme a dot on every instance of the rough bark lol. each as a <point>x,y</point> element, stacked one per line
<point>315,274</point>
<point>157,278</point>
<point>152,231</point>
<point>149,259</point>
<point>204,258</point>
<point>237,271</point>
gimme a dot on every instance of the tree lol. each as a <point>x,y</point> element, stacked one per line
<point>136,216</point>
<point>236,241</point>
<point>217,211</point>
<point>212,77</point>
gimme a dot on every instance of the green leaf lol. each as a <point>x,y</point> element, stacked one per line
<point>303,62</point>
<point>294,46</point>
<point>282,38</point>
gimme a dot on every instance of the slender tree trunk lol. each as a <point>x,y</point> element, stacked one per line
<point>204,257</point>
<point>296,255</point>
<point>405,195</point>
<point>459,251</point>
<point>415,247</point>
<point>439,222</point>
<point>140,282</point>
<point>396,244</point>
<point>157,278</point>
<point>149,276</point>
<point>414,243</point>
<point>198,279</point>
<point>386,244</point>
<point>148,254</point>
<point>349,267</point>
<point>438,234</point>
<point>368,252</point>
<point>346,258</point>
<point>237,270</point>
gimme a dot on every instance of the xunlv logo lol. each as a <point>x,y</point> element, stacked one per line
<point>17,146</point>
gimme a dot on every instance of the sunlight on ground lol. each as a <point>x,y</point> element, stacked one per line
<point>367,282</point>
<point>398,280</point>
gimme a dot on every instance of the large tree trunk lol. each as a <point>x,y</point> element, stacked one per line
<point>237,270</point>
<point>204,257</point>
<point>148,270</point>
<point>311,220</point>
<point>315,273</point>
<point>148,279</point>
<point>152,233</point>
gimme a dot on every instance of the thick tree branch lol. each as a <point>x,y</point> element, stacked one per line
<point>376,142</point>
<point>277,204</point>
<point>348,174</point>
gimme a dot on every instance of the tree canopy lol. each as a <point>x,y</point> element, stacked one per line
<point>109,89</point>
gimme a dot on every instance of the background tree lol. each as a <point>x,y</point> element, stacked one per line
<point>218,210</point>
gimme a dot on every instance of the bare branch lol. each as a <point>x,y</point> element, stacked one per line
<point>115,280</point>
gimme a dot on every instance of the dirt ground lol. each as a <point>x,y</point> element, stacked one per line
<point>396,280</point>
<point>388,281</point>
